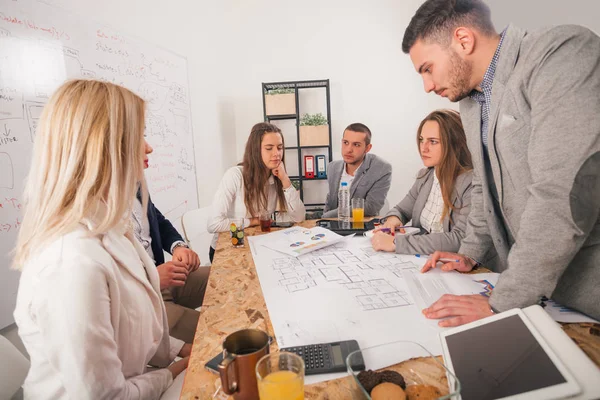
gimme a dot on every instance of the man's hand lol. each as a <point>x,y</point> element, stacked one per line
<point>185,351</point>
<point>281,174</point>
<point>464,264</point>
<point>179,366</point>
<point>172,273</point>
<point>187,256</point>
<point>383,242</point>
<point>459,310</point>
<point>391,223</point>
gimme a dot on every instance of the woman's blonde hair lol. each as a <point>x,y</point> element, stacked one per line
<point>87,162</point>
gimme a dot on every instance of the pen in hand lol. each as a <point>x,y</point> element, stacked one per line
<point>439,259</point>
<point>388,230</point>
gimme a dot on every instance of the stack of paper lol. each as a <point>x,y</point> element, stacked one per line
<point>297,241</point>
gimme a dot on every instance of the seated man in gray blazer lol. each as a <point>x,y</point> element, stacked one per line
<point>529,104</point>
<point>368,176</point>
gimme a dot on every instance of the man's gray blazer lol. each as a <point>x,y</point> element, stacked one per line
<point>544,148</point>
<point>454,224</point>
<point>372,181</point>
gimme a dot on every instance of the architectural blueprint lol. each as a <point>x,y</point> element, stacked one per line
<point>349,291</point>
<point>356,270</point>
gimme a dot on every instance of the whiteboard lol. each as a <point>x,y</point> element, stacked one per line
<point>41,46</point>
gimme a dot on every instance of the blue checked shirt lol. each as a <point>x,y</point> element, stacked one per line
<point>485,99</point>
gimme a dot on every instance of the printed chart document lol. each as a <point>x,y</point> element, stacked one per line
<point>297,241</point>
<point>427,288</point>
<point>564,314</point>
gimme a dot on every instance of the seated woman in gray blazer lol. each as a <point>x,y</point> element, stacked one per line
<point>440,199</point>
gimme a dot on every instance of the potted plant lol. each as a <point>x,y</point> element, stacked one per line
<point>280,101</point>
<point>314,130</point>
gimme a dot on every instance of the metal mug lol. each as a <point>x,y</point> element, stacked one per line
<point>241,352</point>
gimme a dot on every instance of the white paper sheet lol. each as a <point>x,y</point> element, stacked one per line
<point>349,291</point>
<point>482,284</point>
<point>297,241</point>
<point>342,292</point>
<point>564,314</point>
<point>429,287</point>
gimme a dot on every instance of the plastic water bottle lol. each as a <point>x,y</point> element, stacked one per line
<point>344,202</point>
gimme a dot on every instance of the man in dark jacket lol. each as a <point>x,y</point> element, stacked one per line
<point>182,282</point>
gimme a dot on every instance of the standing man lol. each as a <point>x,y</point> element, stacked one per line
<point>368,176</point>
<point>530,105</point>
<point>182,282</point>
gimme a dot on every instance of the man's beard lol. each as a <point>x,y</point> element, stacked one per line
<point>460,76</point>
<point>357,161</point>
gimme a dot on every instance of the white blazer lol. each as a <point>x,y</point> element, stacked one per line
<point>91,316</point>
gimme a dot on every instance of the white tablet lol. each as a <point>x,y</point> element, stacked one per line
<point>505,357</point>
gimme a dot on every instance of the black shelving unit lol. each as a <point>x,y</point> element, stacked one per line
<point>297,86</point>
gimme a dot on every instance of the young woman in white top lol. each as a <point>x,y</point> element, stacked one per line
<point>259,184</point>
<point>89,308</point>
<point>439,202</point>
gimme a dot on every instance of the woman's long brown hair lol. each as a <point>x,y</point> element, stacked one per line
<point>256,174</point>
<point>456,158</point>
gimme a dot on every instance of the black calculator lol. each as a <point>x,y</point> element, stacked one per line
<point>327,357</point>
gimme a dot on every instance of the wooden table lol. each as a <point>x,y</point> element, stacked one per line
<point>234,301</point>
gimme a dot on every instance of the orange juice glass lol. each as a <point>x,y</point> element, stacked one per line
<point>280,376</point>
<point>358,225</point>
<point>358,210</point>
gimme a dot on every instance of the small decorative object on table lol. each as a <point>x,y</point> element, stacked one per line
<point>237,232</point>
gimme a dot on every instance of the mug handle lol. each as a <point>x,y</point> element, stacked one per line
<point>224,366</point>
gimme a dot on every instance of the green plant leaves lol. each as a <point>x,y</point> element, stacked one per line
<point>279,91</point>
<point>313,119</point>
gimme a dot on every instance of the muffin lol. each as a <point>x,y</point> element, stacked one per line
<point>387,391</point>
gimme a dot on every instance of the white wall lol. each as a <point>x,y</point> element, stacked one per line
<point>533,14</point>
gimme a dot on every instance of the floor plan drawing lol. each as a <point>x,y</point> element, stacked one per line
<point>349,291</point>
<point>354,269</point>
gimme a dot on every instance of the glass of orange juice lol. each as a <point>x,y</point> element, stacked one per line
<point>358,210</point>
<point>280,376</point>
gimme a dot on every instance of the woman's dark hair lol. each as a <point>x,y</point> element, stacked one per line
<point>256,174</point>
<point>456,158</point>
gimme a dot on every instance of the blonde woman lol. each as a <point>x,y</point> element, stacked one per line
<point>89,308</point>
